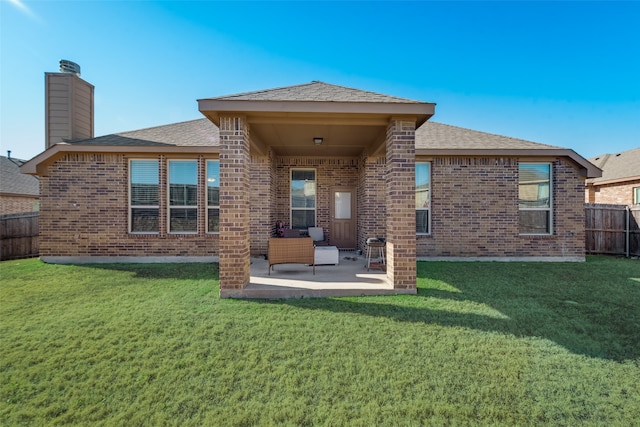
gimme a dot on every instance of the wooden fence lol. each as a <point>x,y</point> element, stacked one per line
<point>612,229</point>
<point>19,236</point>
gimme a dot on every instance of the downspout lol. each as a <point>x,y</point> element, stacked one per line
<point>626,246</point>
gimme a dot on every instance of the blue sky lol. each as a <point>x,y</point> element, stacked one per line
<point>560,73</point>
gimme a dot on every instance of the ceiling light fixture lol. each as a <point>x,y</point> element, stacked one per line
<point>317,140</point>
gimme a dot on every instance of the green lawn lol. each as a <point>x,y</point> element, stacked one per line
<point>481,344</point>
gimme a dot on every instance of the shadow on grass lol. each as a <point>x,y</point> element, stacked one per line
<point>178,271</point>
<point>591,309</point>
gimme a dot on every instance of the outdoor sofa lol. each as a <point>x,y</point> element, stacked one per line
<point>291,250</point>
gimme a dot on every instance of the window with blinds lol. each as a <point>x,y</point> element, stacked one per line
<point>303,198</point>
<point>423,198</point>
<point>183,196</point>
<point>213,196</point>
<point>143,196</point>
<point>535,198</point>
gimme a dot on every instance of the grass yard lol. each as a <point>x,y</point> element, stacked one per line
<point>481,344</point>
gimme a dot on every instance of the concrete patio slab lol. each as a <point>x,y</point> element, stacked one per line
<point>349,278</point>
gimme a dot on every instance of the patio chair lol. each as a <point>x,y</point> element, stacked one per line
<point>317,234</point>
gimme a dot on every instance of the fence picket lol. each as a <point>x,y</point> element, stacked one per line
<point>19,236</point>
<point>605,229</point>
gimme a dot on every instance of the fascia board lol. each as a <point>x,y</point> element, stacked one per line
<point>590,169</point>
<point>31,167</point>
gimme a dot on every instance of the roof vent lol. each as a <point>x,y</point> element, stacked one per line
<point>69,67</point>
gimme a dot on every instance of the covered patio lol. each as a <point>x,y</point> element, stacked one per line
<point>346,142</point>
<point>349,278</point>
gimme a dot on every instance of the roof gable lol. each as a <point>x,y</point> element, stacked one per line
<point>315,91</point>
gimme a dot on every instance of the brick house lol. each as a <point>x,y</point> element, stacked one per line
<point>356,163</point>
<point>19,193</point>
<point>620,180</point>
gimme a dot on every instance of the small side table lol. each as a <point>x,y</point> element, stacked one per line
<point>376,246</point>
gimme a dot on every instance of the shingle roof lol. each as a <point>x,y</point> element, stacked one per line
<point>617,166</point>
<point>315,91</point>
<point>14,182</point>
<point>202,132</point>
<point>433,135</point>
<point>194,133</point>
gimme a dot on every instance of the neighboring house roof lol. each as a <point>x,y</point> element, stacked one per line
<point>624,166</point>
<point>315,91</point>
<point>12,182</point>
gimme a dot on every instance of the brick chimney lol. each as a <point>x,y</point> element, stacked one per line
<point>68,105</point>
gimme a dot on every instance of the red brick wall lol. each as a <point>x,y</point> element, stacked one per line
<point>400,201</point>
<point>84,211</point>
<point>18,204</point>
<point>475,210</point>
<point>84,207</point>
<point>262,204</point>
<point>613,194</point>
<point>235,195</point>
<point>372,208</point>
<point>330,172</point>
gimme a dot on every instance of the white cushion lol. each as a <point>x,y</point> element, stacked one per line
<point>316,233</point>
<point>326,255</point>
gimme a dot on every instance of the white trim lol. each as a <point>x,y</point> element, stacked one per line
<point>131,207</point>
<point>315,196</point>
<point>168,196</point>
<point>429,208</point>
<point>551,201</point>
<point>206,196</point>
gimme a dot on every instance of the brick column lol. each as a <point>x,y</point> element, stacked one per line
<point>234,205</point>
<point>262,222</point>
<point>401,205</point>
<point>372,194</point>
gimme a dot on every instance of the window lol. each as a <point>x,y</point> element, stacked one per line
<point>183,196</point>
<point>143,196</point>
<point>636,195</point>
<point>423,198</point>
<point>303,198</point>
<point>534,198</point>
<point>213,196</point>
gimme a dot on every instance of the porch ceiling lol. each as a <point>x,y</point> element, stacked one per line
<point>288,128</point>
<point>295,137</point>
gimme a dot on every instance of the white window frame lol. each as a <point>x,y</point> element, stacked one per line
<point>428,209</point>
<point>206,196</point>
<point>131,207</point>
<point>636,195</point>
<point>315,202</point>
<point>547,209</point>
<point>168,197</point>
